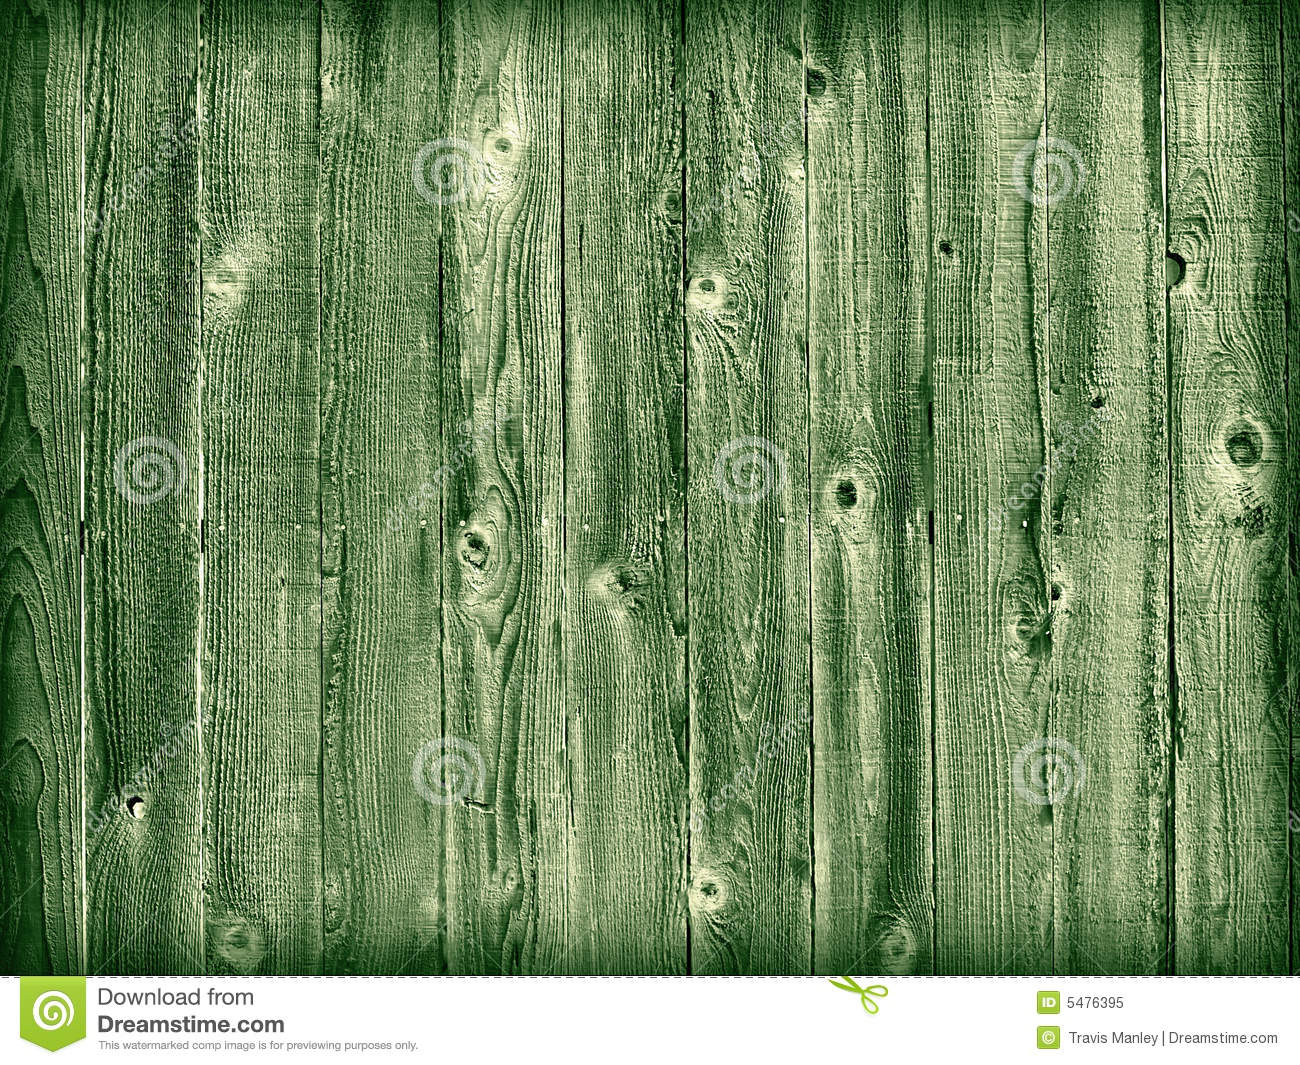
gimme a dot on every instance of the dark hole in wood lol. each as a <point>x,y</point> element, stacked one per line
<point>135,807</point>
<point>503,146</point>
<point>1245,446</point>
<point>477,550</point>
<point>816,83</point>
<point>707,285</point>
<point>945,246</point>
<point>1175,269</point>
<point>846,494</point>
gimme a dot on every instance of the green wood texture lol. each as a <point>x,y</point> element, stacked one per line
<point>1288,547</point>
<point>382,440</point>
<point>665,487</point>
<point>504,713</point>
<point>625,562</point>
<point>868,262</point>
<point>41,783</point>
<point>1227,342</point>
<point>260,401</point>
<point>991,590</point>
<point>1108,543</point>
<point>141,399</point>
<point>747,490</point>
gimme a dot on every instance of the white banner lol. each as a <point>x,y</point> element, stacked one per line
<point>635,1019</point>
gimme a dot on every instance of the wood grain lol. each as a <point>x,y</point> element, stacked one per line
<point>41,782</point>
<point>383,442</point>
<point>503,513</point>
<point>747,496</point>
<point>1289,536</point>
<point>261,432</point>
<point>1230,445</point>
<point>674,487</point>
<point>868,263</point>
<point>992,570</point>
<point>144,787</point>
<point>625,609</point>
<point>1108,482</point>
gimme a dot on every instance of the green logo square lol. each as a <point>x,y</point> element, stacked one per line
<point>1049,1002</point>
<point>1049,1037</point>
<point>52,1010</point>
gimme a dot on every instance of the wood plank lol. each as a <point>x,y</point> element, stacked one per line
<point>503,563</point>
<point>383,442</point>
<point>1107,481</point>
<point>142,489</point>
<point>261,426</point>
<point>747,501</point>
<point>625,613</point>
<point>868,260</point>
<point>41,800</point>
<point>1289,537</point>
<point>1230,445</point>
<point>992,576</point>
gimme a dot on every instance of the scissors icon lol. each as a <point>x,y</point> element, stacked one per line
<point>868,994</point>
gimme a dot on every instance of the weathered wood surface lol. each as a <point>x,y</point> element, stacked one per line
<point>507,785</point>
<point>723,487</point>
<point>747,493</point>
<point>382,439</point>
<point>868,262</point>
<point>1107,495</point>
<point>1288,543</point>
<point>260,404</point>
<point>141,398</point>
<point>988,381</point>
<point>42,873</point>
<point>625,586</point>
<point>1230,457</point>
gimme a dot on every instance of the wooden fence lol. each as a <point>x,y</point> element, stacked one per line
<point>654,487</point>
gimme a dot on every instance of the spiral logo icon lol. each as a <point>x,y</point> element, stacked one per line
<point>1047,170</point>
<point>749,468</point>
<point>447,770</point>
<point>448,170</point>
<point>53,1010</point>
<point>1048,771</point>
<point>148,469</point>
